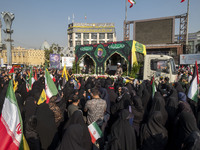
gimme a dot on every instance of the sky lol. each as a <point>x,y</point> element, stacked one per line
<point>39,20</point>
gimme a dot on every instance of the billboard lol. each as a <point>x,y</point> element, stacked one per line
<point>55,61</point>
<point>155,31</point>
<point>189,59</point>
<point>67,61</point>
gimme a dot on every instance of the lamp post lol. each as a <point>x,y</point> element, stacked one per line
<point>8,18</point>
<point>0,36</point>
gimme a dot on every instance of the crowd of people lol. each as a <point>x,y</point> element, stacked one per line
<point>129,116</point>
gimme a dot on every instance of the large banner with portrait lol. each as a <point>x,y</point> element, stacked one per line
<point>55,61</point>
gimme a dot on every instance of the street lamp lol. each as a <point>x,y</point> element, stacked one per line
<point>8,18</point>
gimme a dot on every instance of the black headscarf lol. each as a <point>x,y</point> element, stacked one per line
<point>122,133</point>
<point>140,90</point>
<point>77,118</point>
<point>46,127</point>
<point>184,106</point>
<point>178,87</point>
<point>137,110</point>
<point>2,96</point>
<point>72,138</point>
<point>123,101</point>
<point>158,104</point>
<point>185,126</point>
<point>112,95</point>
<point>29,108</point>
<point>145,98</point>
<point>172,106</point>
<point>187,123</point>
<point>192,142</point>
<point>153,134</point>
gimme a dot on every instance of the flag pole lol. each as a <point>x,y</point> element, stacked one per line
<point>126,11</point>
<point>188,6</point>
<point>125,20</point>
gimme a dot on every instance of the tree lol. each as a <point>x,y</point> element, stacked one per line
<point>47,56</point>
<point>74,67</point>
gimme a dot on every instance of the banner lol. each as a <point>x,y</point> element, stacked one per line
<point>137,47</point>
<point>187,59</point>
<point>55,61</point>
<point>67,61</point>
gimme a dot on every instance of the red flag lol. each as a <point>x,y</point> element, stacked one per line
<point>152,79</point>
<point>182,1</point>
<point>11,70</point>
<point>35,76</point>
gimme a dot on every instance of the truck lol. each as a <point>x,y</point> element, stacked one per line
<point>159,65</point>
<point>103,57</point>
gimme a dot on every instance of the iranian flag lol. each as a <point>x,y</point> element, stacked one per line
<point>50,86</point>
<point>95,132</point>
<point>11,70</point>
<point>132,2</point>
<point>27,84</point>
<point>153,87</point>
<point>31,79</point>
<point>193,90</point>
<point>11,127</point>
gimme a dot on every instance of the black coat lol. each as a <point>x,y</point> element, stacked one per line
<point>153,134</point>
<point>46,127</point>
<point>122,133</point>
<point>77,118</point>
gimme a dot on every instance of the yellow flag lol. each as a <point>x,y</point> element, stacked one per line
<point>42,98</point>
<point>64,73</point>
<point>25,144</point>
<point>15,85</point>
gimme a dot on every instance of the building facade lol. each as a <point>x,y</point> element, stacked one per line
<point>90,33</point>
<point>25,56</point>
<point>193,41</point>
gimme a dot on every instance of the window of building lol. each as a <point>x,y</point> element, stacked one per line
<point>101,41</point>
<point>70,37</point>
<point>85,35</point>
<point>78,36</point>
<point>93,42</point>
<point>191,43</point>
<point>70,44</point>
<point>78,42</point>
<point>94,36</point>
<point>101,35</point>
<point>85,42</point>
<point>110,36</point>
<point>109,41</point>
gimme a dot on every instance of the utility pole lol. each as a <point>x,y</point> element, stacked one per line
<point>188,6</point>
<point>187,46</point>
<point>126,11</point>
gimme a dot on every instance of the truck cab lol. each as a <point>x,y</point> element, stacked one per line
<point>159,65</point>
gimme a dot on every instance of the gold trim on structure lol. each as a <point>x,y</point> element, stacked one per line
<point>91,27</point>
